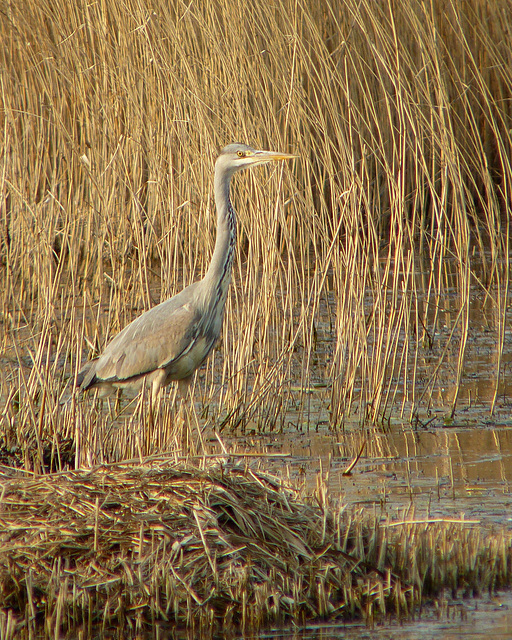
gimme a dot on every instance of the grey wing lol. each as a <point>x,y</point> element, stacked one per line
<point>150,342</point>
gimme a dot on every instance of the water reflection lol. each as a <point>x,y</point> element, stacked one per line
<point>440,473</point>
<point>476,619</point>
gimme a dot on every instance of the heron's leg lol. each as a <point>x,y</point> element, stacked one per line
<point>183,415</point>
<point>184,387</point>
<point>185,392</point>
<point>157,383</point>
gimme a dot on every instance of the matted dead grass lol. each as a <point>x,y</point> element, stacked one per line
<point>224,547</point>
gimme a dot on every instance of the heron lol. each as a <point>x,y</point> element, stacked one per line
<point>171,340</point>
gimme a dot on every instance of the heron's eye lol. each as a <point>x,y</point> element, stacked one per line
<point>240,154</point>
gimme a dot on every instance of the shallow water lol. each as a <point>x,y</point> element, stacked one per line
<point>472,620</point>
<point>457,472</point>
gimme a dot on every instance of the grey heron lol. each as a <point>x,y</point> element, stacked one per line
<point>171,340</point>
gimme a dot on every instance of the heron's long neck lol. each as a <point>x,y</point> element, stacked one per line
<point>219,271</point>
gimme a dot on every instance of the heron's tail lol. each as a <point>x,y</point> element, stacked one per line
<point>86,376</point>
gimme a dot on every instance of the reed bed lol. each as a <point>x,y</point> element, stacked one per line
<point>111,115</point>
<point>217,547</point>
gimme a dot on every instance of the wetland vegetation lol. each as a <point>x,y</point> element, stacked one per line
<point>370,296</point>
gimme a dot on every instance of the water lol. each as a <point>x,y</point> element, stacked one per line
<point>472,620</point>
<point>441,472</point>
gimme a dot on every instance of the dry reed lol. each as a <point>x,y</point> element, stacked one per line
<point>111,114</point>
<point>223,547</point>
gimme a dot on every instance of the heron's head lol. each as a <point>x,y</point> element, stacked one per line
<point>239,156</point>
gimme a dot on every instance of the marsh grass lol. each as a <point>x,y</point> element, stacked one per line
<point>218,549</point>
<point>111,116</point>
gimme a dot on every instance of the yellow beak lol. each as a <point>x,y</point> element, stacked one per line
<point>269,156</point>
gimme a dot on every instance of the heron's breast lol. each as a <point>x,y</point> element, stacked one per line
<point>191,359</point>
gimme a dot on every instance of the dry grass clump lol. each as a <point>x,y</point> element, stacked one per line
<point>226,547</point>
<point>219,548</point>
